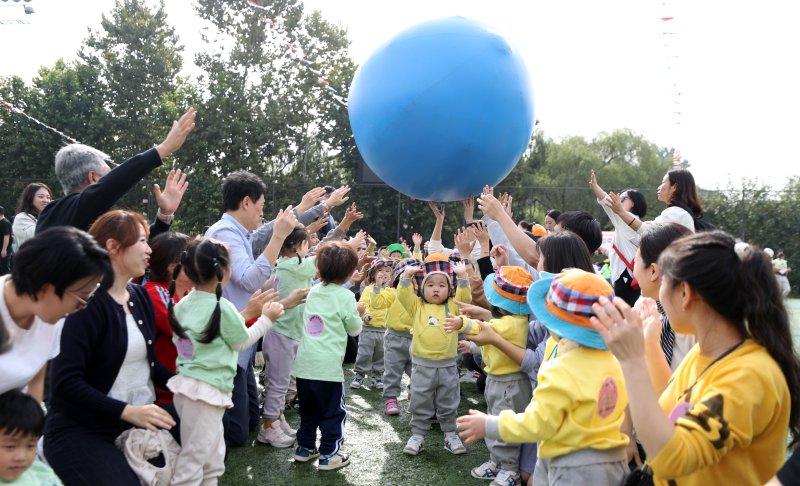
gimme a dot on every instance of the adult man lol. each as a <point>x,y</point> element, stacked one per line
<point>92,188</point>
<point>5,243</point>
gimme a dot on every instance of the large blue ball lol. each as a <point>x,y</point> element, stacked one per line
<point>442,109</point>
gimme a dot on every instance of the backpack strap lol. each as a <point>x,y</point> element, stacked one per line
<point>622,257</point>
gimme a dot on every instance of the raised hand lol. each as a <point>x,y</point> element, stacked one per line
<point>438,211</point>
<point>359,239</point>
<point>257,301</point>
<point>177,134</point>
<point>310,199</point>
<point>621,328</point>
<point>500,254</point>
<point>302,249</point>
<point>506,200</point>
<point>491,206</point>
<point>317,225</point>
<point>417,239</point>
<point>460,269</point>
<point>285,223</point>
<point>469,209</point>
<point>174,188</point>
<point>410,271</point>
<point>338,197</point>
<point>351,215</point>
<point>465,242</point>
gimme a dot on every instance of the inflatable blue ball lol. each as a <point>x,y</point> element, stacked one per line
<point>442,109</point>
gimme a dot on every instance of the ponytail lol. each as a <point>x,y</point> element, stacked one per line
<point>212,329</point>
<point>768,322</point>
<point>173,321</point>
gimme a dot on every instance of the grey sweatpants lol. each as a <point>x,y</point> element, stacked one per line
<point>584,466</point>
<point>370,352</point>
<point>434,391</point>
<point>280,352</point>
<point>506,392</point>
<point>396,360</point>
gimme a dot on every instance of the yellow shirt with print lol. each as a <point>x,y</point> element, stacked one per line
<point>735,431</point>
<point>378,315</point>
<point>512,328</point>
<point>579,404</point>
<point>386,300</point>
<point>430,340</point>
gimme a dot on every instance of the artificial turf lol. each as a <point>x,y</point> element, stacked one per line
<point>375,443</point>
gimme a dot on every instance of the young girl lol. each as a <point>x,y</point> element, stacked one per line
<point>330,315</point>
<point>397,342</point>
<point>207,354</point>
<point>293,271</point>
<point>370,342</point>
<point>580,400</point>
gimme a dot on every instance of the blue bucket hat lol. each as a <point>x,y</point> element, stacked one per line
<point>507,288</point>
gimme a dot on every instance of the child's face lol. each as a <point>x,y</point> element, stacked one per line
<point>396,255</point>
<point>17,453</point>
<point>436,289</point>
<point>383,274</point>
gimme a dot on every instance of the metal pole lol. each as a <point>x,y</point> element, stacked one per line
<point>398,217</point>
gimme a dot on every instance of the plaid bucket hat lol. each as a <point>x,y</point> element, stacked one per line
<point>380,262</point>
<point>407,262</point>
<point>563,304</point>
<point>437,263</point>
<point>507,289</point>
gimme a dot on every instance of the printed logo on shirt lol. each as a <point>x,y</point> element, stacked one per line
<point>315,326</point>
<point>608,397</point>
<point>708,418</point>
<point>432,321</point>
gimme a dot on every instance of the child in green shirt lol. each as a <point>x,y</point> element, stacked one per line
<point>21,424</point>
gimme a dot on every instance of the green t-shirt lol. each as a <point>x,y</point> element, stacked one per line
<point>291,274</point>
<point>330,315</point>
<point>213,363</point>
<point>39,474</point>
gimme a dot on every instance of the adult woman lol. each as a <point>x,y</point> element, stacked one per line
<point>32,201</point>
<point>54,275</point>
<point>626,240</point>
<point>102,381</point>
<point>679,192</point>
<point>550,219</point>
<point>723,418</point>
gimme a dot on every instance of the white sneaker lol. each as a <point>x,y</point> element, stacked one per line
<point>286,428</point>
<point>488,470</point>
<point>415,444</point>
<point>453,444</point>
<point>274,436</point>
<point>358,380</point>
<point>506,478</point>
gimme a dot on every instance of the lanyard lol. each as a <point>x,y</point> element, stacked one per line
<point>688,392</point>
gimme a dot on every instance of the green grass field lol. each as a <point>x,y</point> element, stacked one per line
<point>375,442</point>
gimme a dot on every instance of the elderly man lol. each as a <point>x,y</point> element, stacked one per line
<point>91,188</point>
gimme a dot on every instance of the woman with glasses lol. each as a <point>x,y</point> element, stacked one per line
<point>104,379</point>
<point>54,275</point>
<point>626,240</point>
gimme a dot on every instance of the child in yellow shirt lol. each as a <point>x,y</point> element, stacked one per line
<point>370,342</point>
<point>580,400</point>
<point>434,380</point>
<point>507,388</point>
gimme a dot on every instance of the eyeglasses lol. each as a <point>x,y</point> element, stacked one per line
<point>83,303</point>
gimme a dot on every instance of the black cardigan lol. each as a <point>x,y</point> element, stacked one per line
<point>80,209</point>
<point>94,342</point>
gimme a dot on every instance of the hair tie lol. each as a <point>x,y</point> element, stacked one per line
<point>214,262</point>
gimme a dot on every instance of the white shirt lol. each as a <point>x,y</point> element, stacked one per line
<point>133,384</point>
<point>672,214</point>
<point>625,239</point>
<point>30,348</point>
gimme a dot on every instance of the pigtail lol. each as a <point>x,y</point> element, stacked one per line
<point>173,321</point>
<point>768,322</point>
<point>212,329</point>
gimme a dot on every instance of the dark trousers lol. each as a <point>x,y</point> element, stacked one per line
<point>623,290</point>
<point>244,417</point>
<point>321,407</point>
<point>5,263</point>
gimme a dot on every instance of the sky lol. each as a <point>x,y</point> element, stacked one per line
<point>595,66</point>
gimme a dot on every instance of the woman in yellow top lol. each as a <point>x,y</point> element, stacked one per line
<point>724,416</point>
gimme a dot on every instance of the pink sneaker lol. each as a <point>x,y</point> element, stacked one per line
<point>391,407</point>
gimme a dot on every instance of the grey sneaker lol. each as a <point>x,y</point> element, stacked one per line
<point>358,380</point>
<point>453,444</point>
<point>414,445</point>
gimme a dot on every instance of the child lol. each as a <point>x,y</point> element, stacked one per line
<point>434,381</point>
<point>580,400</point>
<point>506,386</point>
<point>330,315</point>
<point>21,424</point>
<point>397,342</point>
<point>292,271</point>
<point>370,341</point>
<point>207,355</point>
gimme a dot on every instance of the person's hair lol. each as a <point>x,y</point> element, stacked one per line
<point>298,235</point>
<point>336,261</point>
<point>20,414</point>
<point>119,225</point>
<point>657,238</point>
<point>2,210</point>
<point>329,189</point>
<point>780,254</point>
<point>59,256</point>
<point>639,202</point>
<point>167,249</point>
<point>685,194</point>
<point>238,185</point>
<point>524,225</point>
<point>25,203</point>
<point>203,261</point>
<point>584,225</point>
<point>565,250</point>
<point>553,213</point>
<point>737,282</point>
<point>73,164</point>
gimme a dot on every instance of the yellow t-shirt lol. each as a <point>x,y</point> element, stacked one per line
<point>378,314</point>
<point>386,300</point>
<point>735,432</point>
<point>512,328</point>
<point>430,340</point>
<point>579,404</point>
